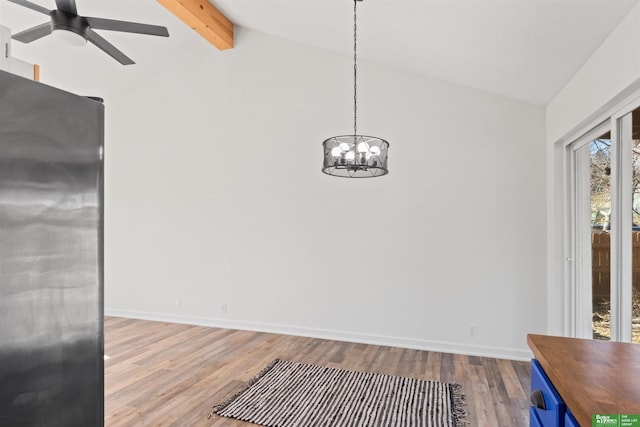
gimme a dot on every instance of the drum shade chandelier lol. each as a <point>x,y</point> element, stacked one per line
<point>355,156</point>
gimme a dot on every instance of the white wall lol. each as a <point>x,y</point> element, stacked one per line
<point>614,67</point>
<point>607,82</point>
<point>214,196</point>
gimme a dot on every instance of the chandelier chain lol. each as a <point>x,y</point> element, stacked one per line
<point>355,67</point>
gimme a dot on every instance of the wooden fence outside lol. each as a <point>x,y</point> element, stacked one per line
<point>601,265</point>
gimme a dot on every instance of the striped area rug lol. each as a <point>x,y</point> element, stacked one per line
<point>289,394</point>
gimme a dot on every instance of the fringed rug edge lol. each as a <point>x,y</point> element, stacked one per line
<point>458,405</point>
<point>219,407</point>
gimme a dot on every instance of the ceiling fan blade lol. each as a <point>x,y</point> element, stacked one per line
<point>68,6</point>
<point>108,48</point>
<point>31,6</point>
<point>127,27</point>
<point>35,33</point>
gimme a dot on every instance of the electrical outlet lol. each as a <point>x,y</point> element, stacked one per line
<point>179,302</point>
<point>223,308</point>
<point>473,330</point>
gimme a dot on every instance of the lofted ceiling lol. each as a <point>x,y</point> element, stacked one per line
<point>523,49</point>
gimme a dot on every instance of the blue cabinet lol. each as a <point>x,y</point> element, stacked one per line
<point>569,420</point>
<point>534,421</point>
<point>547,408</point>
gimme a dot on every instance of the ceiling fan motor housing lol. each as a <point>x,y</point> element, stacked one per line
<point>61,20</point>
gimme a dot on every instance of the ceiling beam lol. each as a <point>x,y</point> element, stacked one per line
<point>205,19</point>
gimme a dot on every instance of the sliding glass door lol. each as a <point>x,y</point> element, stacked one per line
<point>604,250</point>
<point>592,234</point>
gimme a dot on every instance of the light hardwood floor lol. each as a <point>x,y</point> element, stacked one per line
<point>166,374</point>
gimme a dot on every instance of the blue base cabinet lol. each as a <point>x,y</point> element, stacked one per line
<point>569,421</point>
<point>547,407</point>
<point>534,421</point>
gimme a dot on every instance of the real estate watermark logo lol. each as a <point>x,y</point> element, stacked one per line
<point>617,420</point>
<point>605,420</point>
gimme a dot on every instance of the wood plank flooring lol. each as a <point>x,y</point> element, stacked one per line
<point>165,374</point>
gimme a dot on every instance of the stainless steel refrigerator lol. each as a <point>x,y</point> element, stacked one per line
<point>51,260</point>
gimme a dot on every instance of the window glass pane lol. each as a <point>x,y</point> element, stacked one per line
<point>600,171</point>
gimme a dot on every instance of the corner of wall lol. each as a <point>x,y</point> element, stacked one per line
<point>609,72</point>
<point>605,81</point>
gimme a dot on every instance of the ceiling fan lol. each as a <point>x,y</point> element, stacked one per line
<point>66,21</point>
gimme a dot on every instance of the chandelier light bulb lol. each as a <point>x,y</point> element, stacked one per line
<point>375,150</point>
<point>350,156</point>
<point>336,152</point>
<point>363,147</point>
<point>344,147</point>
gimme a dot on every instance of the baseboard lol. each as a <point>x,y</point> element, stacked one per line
<point>443,347</point>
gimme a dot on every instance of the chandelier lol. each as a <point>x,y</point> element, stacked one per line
<point>355,156</point>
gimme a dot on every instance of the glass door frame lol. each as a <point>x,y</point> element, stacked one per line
<point>579,267</point>
<point>622,220</point>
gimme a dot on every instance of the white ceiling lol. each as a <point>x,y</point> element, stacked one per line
<point>523,49</point>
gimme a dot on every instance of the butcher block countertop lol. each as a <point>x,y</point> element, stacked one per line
<point>591,376</point>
